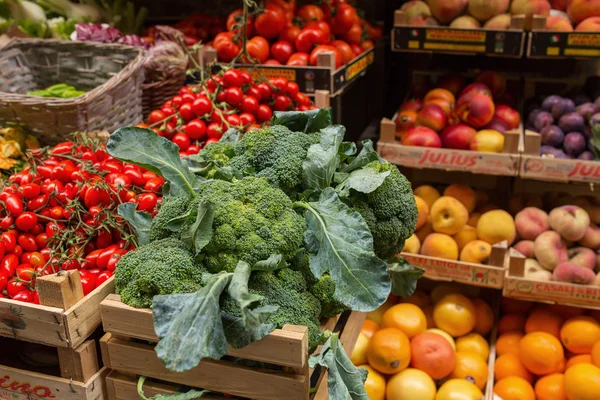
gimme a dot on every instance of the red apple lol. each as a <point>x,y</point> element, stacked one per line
<point>411,105</point>
<point>475,109</point>
<point>432,116</point>
<point>422,136</point>
<point>492,79</point>
<point>476,88</point>
<point>457,136</point>
<point>508,115</point>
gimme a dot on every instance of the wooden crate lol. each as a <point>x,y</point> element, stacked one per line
<point>287,347</point>
<point>544,43</point>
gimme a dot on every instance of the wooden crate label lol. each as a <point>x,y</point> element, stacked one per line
<point>552,291</point>
<point>436,268</point>
<point>11,320</point>
<point>11,388</point>
<point>457,160</point>
<point>352,70</point>
<point>560,169</point>
<point>564,44</point>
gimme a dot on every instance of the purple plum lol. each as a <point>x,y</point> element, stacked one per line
<point>571,122</point>
<point>498,125</point>
<point>552,135</point>
<point>550,101</point>
<point>574,144</point>
<point>563,107</point>
<point>542,120</point>
<point>586,110</point>
<point>581,98</point>
<point>587,155</point>
<point>595,119</point>
<point>552,152</point>
<point>531,118</point>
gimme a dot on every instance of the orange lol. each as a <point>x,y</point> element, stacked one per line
<point>457,389</point>
<point>511,323</point>
<point>541,353</point>
<point>429,316</point>
<point>512,306</point>
<point>595,356</point>
<point>455,314</point>
<point>470,366</point>
<point>508,343</point>
<point>474,342</point>
<point>411,384</point>
<point>418,298</point>
<point>407,317</point>
<point>566,311</point>
<point>375,384</point>
<point>484,317</point>
<point>580,334</point>
<point>582,382</point>
<point>514,388</point>
<point>389,351</point>
<point>376,315</point>
<point>543,320</point>
<point>579,359</point>
<point>369,328</point>
<point>432,354</point>
<point>550,387</point>
<point>510,365</point>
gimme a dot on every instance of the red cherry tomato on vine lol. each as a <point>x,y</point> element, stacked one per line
<point>9,240</point>
<point>147,202</point>
<point>9,264</point>
<point>186,112</point>
<point>196,129</point>
<point>25,296</point>
<point>13,287</point>
<point>26,221</point>
<point>289,34</point>
<point>249,104</point>
<point>103,277</point>
<point>182,141</point>
<point>264,113</point>
<point>299,59</point>
<point>247,118</point>
<point>214,131</point>
<point>13,205</point>
<point>30,190</point>
<point>282,51</point>
<point>156,116</point>
<point>234,96</point>
<point>310,37</point>
<point>310,12</point>
<point>292,89</point>
<point>154,184</point>
<point>282,103</point>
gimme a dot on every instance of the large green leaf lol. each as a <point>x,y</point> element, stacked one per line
<point>139,220</point>
<point>303,121</point>
<point>404,277</point>
<point>367,154</point>
<point>189,325</point>
<point>322,159</point>
<point>364,180</point>
<point>145,148</point>
<point>238,335</point>
<point>344,246</point>
<point>200,232</point>
<point>192,394</point>
<point>344,380</point>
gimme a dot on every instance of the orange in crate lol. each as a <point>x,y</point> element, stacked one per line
<point>541,353</point>
<point>543,320</point>
<point>508,343</point>
<point>550,387</point>
<point>510,365</point>
<point>514,388</point>
<point>389,351</point>
<point>512,322</point>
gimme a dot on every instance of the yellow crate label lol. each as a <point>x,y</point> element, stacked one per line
<point>456,35</point>
<point>553,51</point>
<point>413,44</point>
<point>582,52</point>
<point>289,74</point>
<point>356,68</point>
<point>578,39</point>
<point>454,47</point>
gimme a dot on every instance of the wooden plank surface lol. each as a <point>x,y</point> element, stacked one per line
<point>140,359</point>
<point>60,290</point>
<point>79,364</point>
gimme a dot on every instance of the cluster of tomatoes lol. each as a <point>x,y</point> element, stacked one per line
<point>196,28</point>
<point>200,114</point>
<point>284,34</point>
<point>60,213</point>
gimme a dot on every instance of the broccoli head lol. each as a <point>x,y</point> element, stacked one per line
<point>324,291</point>
<point>170,207</point>
<point>217,154</point>
<point>274,153</point>
<point>390,211</point>
<point>160,267</point>
<point>252,221</point>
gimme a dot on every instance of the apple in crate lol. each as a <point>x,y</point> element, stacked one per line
<point>432,116</point>
<point>508,115</point>
<point>475,108</point>
<point>457,136</point>
<point>476,87</point>
<point>422,136</point>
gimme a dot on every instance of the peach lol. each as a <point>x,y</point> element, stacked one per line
<point>465,236</point>
<point>445,105</point>
<point>452,82</point>
<point>412,245</point>
<point>411,105</point>
<point>529,8</point>
<point>422,136</point>
<point>432,116</point>
<point>415,8</point>
<point>439,93</point>
<point>558,23</point>
<point>423,209</point>
<point>492,79</point>
<point>486,9</point>
<point>487,140</point>
<point>570,222</point>
<point>458,136</point>
<point>579,10</point>
<point>525,247</point>
<point>583,257</point>
<point>475,109</point>
<point>462,193</point>
<point>496,226</point>
<point>405,120</point>
<point>473,219</point>
<point>534,271</point>
<point>424,232</point>
<point>440,245</point>
<point>427,193</point>
<point>473,88</point>
<point>476,252</point>
<point>550,250</point>
<point>591,24</point>
<point>531,222</point>
<point>509,115</point>
<point>573,273</point>
<point>448,215</point>
<point>499,22</point>
<point>591,238</point>
<point>465,22</point>
<point>446,10</point>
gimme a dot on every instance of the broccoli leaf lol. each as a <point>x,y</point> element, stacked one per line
<point>238,290</point>
<point>143,147</point>
<point>347,149</point>
<point>344,247</point>
<point>303,121</point>
<point>274,262</point>
<point>364,180</point>
<point>231,135</point>
<point>367,154</point>
<point>404,277</point>
<point>139,220</point>
<point>193,394</point>
<point>239,336</point>
<point>189,325</point>
<point>175,224</point>
<point>199,234</point>
<point>344,380</point>
<point>322,159</point>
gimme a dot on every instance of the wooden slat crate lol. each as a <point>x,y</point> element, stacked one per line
<point>65,320</point>
<point>287,348</point>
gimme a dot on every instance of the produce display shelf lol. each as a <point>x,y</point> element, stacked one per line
<point>440,269</point>
<point>444,39</point>
<point>570,294</point>
<point>323,76</point>
<point>287,348</point>
<point>505,163</point>
<point>554,44</point>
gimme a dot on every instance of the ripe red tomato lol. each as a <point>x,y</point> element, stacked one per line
<point>253,127</point>
<point>103,277</point>
<point>258,48</point>
<point>232,77</point>
<point>356,48</point>
<point>233,120</point>
<point>282,51</point>
<point>286,5</point>
<point>182,140</point>
<point>302,99</point>
<point>235,18</point>
<point>154,184</point>
<point>27,221</point>
<point>25,272</point>
<point>289,34</point>
<point>367,45</point>
<point>271,61</point>
<point>30,190</point>
<point>309,37</point>
<point>13,287</point>
<point>186,112</point>
<point>264,113</point>
<point>354,34</point>
<point>345,49</point>
<point>13,205</point>
<point>345,16</point>
<point>27,242</point>
<point>88,281</point>
<point>323,49</point>
<point>247,118</point>
<point>271,22</point>
<point>249,104</point>
<point>6,222</point>
<point>299,59</point>
<point>202,106</point>
<point>215,131</point>
<point>233,96</point>
<point>9,264</point>
<point>226,49</point>
<point>156,116</point>
<point>282,103</point>
<point>309,13</point>
<point>265,90</point>
<point>292,89</point>
<point>196,129</point>
<point>280,84</point>
<point>9,240</point>
<point>25,296</point>
<point>322,25</point>
<point>3,281</point>
<point>255,92</point>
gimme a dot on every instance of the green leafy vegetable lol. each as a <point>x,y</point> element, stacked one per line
<point>303,121</point>
<point>367,154</point>
<point>364,180</point>
<point>191,395</point>
<point>200,232</point>
<point>404,277</point>
<point>322,159</point>
<point>139,220</point>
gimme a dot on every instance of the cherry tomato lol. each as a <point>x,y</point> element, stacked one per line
<point>9,264</point>
<point>25,296</point>
<point>25,272</point>
<point>114,260</point>
<point>292,89</point>
<point>234,96</point>
<point>226,49</point>
<point>36,259</point>
<point>104,256</point>
<point>264,113</point>
<point>215,130</point>
<point>271,22</point>
<point>2,252</point>
<point>154,184</point>
<point>258,49</point>
<point>265,90</point>
<point>18,251</point>
<point>247,118</point>
<point>309,13</point>
<point>88,281</point>
<point>186,112</point>
<point>232,77</point>
<point>233,120</point>
<point>299,59</point>
<point>6,222</point>
<point>30,190</point>
<point>41,239</point>
<point>282,103</point>
<point>13,205</point>
<point>9,240</point>
<point>156,116</point>
<point>103,277</point>
<point>27,242</point>
<point>37,202</point>
<point>310,37</point>
<point>196,129</point>
<point>63,148</point>
<point>13,287</point>
<point>26,221</point>
<point>249,104</point>
<point>3,281</point>
<point>289,34</point>
<point>282,51</point>
<point>182,141</point>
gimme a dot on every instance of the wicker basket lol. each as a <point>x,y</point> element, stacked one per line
<point>111,74</point>
<point>156,93</point>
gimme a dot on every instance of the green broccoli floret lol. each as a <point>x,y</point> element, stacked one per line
<point>160,267</point>
<point>252,221</point>
<point>301,263</point>
<point>275,153</point>
<point>171,207</point>
<point>324,291</point>
<point>216,154</point>
<point>390,211</point>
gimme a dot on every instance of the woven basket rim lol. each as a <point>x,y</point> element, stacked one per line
<point>124,73</point>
